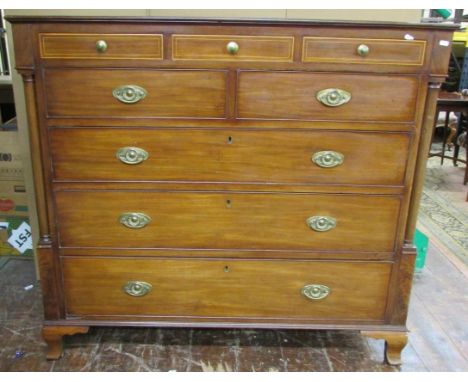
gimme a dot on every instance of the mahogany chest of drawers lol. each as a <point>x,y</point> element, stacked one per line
<point>215,173</point>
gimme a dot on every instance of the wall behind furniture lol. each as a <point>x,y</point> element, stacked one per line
<point>408,15</point>
<point>396,15</point>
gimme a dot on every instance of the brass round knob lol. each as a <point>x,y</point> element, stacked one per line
<point>232,47</point>
<point>130,93</point>
<point>363,50</point>
<point>131,154</point>
<point>333,96</point>
<point>101,46</point>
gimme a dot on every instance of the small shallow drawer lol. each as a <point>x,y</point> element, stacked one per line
<point>324,96</point>
<point>232,48</point>
<point>101,46</point>
<point>226,288</point>
<point>227,220</point>
<point>363,51</point>
<point>135,93</point>
<point>267,156</point>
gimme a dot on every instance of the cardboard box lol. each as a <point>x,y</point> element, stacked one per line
<point>13,212</point>
<point>11,166</point>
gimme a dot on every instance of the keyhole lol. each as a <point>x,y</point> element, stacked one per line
<point>228,203</point>
<point>229,140</point>
<point>226,269</point>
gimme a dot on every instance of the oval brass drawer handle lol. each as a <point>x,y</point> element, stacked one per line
<point>131,155</point>
<point>321,223</point>
<point>333,97</point>
<point>232,47</point>
<point>327,159</point>
<point>134,220</point>
<point>101,46</point>
<point>137,288</point>
<point>363,50</point>
<point>129,93</point>
<point>316,291</point>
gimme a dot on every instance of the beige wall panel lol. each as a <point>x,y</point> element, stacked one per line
<point>400,15</point>
<point>76,12</point>
<point>408,15</point>
<point>225,13</point>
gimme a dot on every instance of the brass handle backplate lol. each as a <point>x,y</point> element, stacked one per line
<point>327,159</point>
<point>333,97</point>
<point>315,291</point>
<point>101,46</point>
<point>321,223</point>
<point>137,288</point>
<point>134,220</point>
<point>129,93</point>
<point>232,47</point>
<point>363,50</point>
<point>131,155</point>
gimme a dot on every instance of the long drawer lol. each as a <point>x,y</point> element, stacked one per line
<point>227,220</point>
<point>229,156</point>
<point>326,96</point>
<point>135,93</point>
<point>226,288</point>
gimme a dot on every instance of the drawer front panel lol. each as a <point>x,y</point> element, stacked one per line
<point>241,48</point>
<point>293,95</point>
<point>225,288</point>
<point>222,220</point>
<point>230,156</point>
<point>169,93</point>
<point>101,46</point>
<point>363,51</point>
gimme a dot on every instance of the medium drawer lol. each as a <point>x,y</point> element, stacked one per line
<point>227,220</point>
<point>324,96</point>
<point>226,288</point>
<point>232,48</point>
<point>101,46</point>
<point>264,156</point>
<point>135,93</point>
<point>363,51</point>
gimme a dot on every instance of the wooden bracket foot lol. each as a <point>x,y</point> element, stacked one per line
<point>53,335</point>
<point>394,344</point>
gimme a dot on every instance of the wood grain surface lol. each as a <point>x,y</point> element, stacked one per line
<point>381,51</point>
<point>280,95</point>
<point>83,46</point>
<point>227,220</point>
<point>229,155</point>
<point>251,48</point>
<point>226,288</point>
<point>171,93</point>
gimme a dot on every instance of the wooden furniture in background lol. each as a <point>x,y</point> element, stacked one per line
<point>235,173</point>
<point>456,103</point>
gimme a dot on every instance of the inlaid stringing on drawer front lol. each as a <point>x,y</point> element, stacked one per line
<point>117,46</point>
<point>166,93</point>
<point>250,48</point>
<point>379,51</point>
<point>295,96</point>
